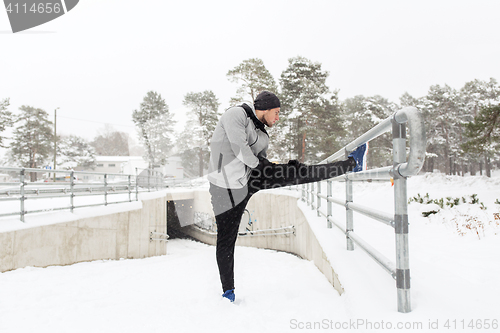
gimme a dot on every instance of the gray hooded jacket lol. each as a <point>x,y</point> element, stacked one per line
<point>235,147</point>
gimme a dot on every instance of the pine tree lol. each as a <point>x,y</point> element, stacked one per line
<point>483,133</point>
<point>199,128</point>
<point>363,113</point>
<point>32,139</point>
<point>74,152</point>
<point>329,133</point>
<point>443,114</point>
<point>408,100</point>
<point>254,78</point>
<point>477,95</point>
<point>303,94</point>
<point>189,150</point>
<point>5,118</point>
<point>155,126</point>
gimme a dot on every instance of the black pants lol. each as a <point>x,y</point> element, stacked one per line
<point>229,204</point>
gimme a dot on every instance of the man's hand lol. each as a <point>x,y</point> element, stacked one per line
<point>263,162</point>
<point>295,163</point>
<point>257,175</point>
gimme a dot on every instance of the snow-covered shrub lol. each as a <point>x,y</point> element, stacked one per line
<point>465,215</point>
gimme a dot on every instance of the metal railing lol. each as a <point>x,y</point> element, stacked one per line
<point>269,232</point>
<point>158,236</point>
<point>290,230</point>
<point>399,172</point>
<point>68,184</point>
<point>207,224</point>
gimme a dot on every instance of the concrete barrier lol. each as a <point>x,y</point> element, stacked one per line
<point>111,235</point>
<point>126,234</point>
<point>269,210</point>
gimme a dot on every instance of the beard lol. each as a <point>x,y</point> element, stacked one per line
<point>264,121</point>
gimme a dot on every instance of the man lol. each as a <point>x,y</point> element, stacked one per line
<point>238,168</point>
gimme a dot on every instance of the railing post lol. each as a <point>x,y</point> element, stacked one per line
<point>22,198</point>
<point>349,224</point>
<point>328,203</point>
<point>149,176</point>
<point>318,199</point>
<point>136,185</point>
<point>312,196</point>
<point>303,193</point>
<point>129,188</point>
<point>401,219</point>
<point>308,189</point>
<point>105,189</point>
<point>157,179</point>
<point>71,186</point>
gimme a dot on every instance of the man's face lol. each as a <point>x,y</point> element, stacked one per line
<point>271,116</point>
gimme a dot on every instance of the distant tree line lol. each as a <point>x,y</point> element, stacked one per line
<point>32,142</point>
<point>463,126</point>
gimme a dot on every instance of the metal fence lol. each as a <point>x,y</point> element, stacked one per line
<point>399,172</point>
<point>108,188</point>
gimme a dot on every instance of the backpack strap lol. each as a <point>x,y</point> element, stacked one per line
<point>252,116</point>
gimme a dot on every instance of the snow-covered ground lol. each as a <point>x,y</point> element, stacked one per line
<point>454,260</point>
<point>455,271</point>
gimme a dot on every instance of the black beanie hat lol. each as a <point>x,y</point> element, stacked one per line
<point>266,100</point>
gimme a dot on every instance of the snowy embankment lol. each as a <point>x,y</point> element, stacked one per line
<point>454,254</point>
<point>454,278</point>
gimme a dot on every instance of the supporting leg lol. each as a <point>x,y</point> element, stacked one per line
<point>228,221</point>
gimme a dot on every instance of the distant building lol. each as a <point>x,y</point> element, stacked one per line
<point>173,168</point>
<point>120,164</point>
<point>4,178</point>
<point>127,165</point>
<point>116,164</point>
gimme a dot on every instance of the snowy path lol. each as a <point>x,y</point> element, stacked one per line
<point>178,292</point>
<point>276,292</point>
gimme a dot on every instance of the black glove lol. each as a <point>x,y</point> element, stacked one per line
<point>263,162</point>
<point>295,163</point>
<point>350,163</point>
<point>257,173</point>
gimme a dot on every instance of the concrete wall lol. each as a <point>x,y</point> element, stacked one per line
<point>112,236</point>
<point>126,234</point>
<point>274,211</point>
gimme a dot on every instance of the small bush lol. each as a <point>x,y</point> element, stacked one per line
<point>426,214</point>
<point>449,202</point>
<point>465,223</point>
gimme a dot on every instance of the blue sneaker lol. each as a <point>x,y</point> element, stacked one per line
<point>229,294</point>
<point>359,156</point>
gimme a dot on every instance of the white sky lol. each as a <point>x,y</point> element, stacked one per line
<point>97,62</point>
